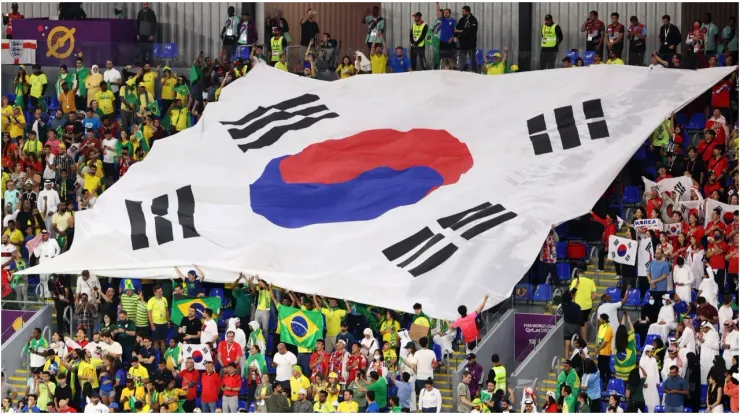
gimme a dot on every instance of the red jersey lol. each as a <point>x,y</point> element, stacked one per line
<point>323,359</point>
<point>718,166</point>
<point>187,377</point>
<point>229,353</point>
<point>732,268</point>
<point>336,363</point>
<point>11,17</point>
<point>653,203</point>
<point>211,387</point>
<point>355,363</point>
<point>721,95</point>
<point>67,410</point>
<point>706,149</point>
<point>711,187</point>
<point>717,262</point>
<point>697,231</point>
<point>232,381</point>
<point>719,224</point>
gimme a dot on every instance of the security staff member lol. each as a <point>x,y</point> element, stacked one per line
<point>551,38</point>
<point>418,35</point>
<point>637,34</point>
<point>277,45</point>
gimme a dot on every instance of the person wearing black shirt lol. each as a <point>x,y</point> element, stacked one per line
<point>107,303</point>
<point>695,165</point>
<point>572,318</point>
<point>190,327</point>
<point>670,38</point>
<point>66,186</point>
<point>161,376</point>
<point>72,130</point>
<point>594,29</point>
<point>70,234</point>
<point>24,219</point>
<point>146,30</point>
<point>466,32</point>
<point>676,162</point>
<point>29,194</point>
<point>552,36</point>
<point>309,30</point>
<point>637,35</point>
<point>63,390</point>
<point>62,296</point>
<point>145,353</point>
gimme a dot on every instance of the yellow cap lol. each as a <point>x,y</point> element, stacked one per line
<point>515,67</point>
<point>332,375</point>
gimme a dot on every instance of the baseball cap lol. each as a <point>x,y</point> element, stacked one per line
<point>409,344</point>
<point>497,55</point>
<point>113,406</point>
<point>470,356</point>
<point>417,14</point>
<point>548,17</point>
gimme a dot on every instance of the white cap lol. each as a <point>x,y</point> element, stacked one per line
<point>302,391</point>
<point>648,347</point>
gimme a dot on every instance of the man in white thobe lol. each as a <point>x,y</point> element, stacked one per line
<point>687,340</point>
<point>444,338</point>
<point>652,378</point>
<point>708,287</point>
<point>47,249</point>
<point>683,278</point>
<point>709,342</point>
<point>725,312</point>
<point>672,358</point>
<point>666,319</point>
<point>730,342</point>
<point>47,204</point>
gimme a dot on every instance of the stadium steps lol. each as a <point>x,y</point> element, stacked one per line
<point>443,380</point>
<point>18,381</point>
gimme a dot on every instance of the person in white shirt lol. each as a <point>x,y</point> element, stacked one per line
<point>430,399</point>
<point>687,340</point>
<point>611,308</point>
<point>709,342</point>
<point>47,202</point>
<point>730,342</point>
<point>95,347</point>
<point>671,358</point>
<point>708,287</point>
<point>283,362</point>
<point>111,347</point>
<point>368,344</point>
<point>95,406</point>
<point>50,172</point>
<point>7,249</point>
<point>109,156</point>
<point>425,362</point>
<point>10,214</point>
<point>113,77</point>
<point>695,260</point>
<point>666,319</point>
<point>87,284</point>
<point>725,312</point>
<point>209,332</point>
<point>46,249</point>
<point>683,278</point>
<point>234,324</point>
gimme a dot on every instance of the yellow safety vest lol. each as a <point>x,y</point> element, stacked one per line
<point>549,39</point>
<point>416,31</point>
<point>242,73</point>
<point>276,45</point>
<point>500,377</point>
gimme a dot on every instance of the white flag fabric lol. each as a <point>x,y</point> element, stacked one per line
<point>200,353</point>
<point>649,224</point>
<point>645,252</point>
<point>687,207</point>
<point>381,189</point>
<point>674,188</point>
<point>725,212</point>
<point>17,51</point>
<point>622,250</point>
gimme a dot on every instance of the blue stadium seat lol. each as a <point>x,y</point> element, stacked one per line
<point>697,122</point>
<point>659,409</point>
<point>543,293</point>
<point>687,410</point>
<point>523,292</point>
<point>54,104</point>
<point>562,230</point>
<point>646,299</point>
<point>631,195</point>
<point>614,293</point>
<point>651,172</point>
<point>573,55</point>
<point>242,405</point>
<point>563,271</point>
<point>392,390</point>
<point>437,351</point>
<point>682,119</point>
<point>588,57</point>
<point>721,60</point>
<point>268,363</point>
<point>197,402</point>
<point>242,51</point>
<point>217,291</point>
<point>479,57</point>
<point>251,407</point>
<point>650,338</point>
<point>561,248</point>
<point>157,356</point>
<point>615,386</point>
<point>660,391</point>
<point>703,397</point>
<point>612,364</point>
<point>170,51</point>
<point>11,97</point>
<point>637,343</point>
<point>633,298</point>
<point>223,320</point>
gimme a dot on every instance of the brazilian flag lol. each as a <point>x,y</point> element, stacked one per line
<point>181,304</point>
<point>301,328</point>
<point>627,359</point>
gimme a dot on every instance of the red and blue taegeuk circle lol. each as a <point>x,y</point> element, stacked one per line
<point>358,178</point>
<point>622,250</point>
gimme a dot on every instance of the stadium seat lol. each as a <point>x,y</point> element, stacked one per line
<point>659,409</point>
<point>687,410</point>
<point>651,172</point>
<point>223,320</point>
<point>268,363</point>
<point>633,298</point>
<point>721,60</point>
<point>615,386</point>
<point>170,51</point>
<point>703,397</point>
<point>197,402</point>
<point>251,407</point>
<point>577,251</point>
<point>612,364</point>
<point>614,293</point>
<point>682,119</point>
<point>646,299</point>
<point>479,57</point>
<point>543,293</point>
<point>588,57</point>
<point>217,291</point>
<point>573,55</point>
<point>637,343</point>
<point>242,52</point>
<point>660,391</point>
<point>563,272</point>
<point>631,195</point>
<point>650,338</point>
<point>523,292</point>
<point>561,248</point>
<point>437,351</point>
<point>11,97</point>
<point>242,405</point>
<point>697,122</point>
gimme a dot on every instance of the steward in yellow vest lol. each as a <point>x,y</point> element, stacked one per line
<point>551,37</point>
<point>277,45</point>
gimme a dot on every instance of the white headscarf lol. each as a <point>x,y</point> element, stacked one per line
<point>95,69</point>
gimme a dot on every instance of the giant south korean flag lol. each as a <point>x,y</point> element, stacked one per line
<point>433,187</point>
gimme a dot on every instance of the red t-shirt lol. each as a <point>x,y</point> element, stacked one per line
<point>234,381</point>
<point>719,224</point>
<point>187,377</point>
<point>697,232</point>
<point>733,267</point>
<point>721,95</point>
<point>229,353</point>
<point>710,187</point>
<point>660,178</point>
<point>323,358</point>
<point>718,166</point>
<point>717,262</point>
<point>653,203</point>
<point>468,327</point>
<point>361,366</point>
<point>705,149</point>
<point>211,386</point>
<point>67,410</point>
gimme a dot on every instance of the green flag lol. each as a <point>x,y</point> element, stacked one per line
<point>181,303</point>
<point>626,360</point>
<point>182,90</point>
<point>139,137</point>
<point>196,73</point>
<point>131,97</point>
<point>60,131</point>
<point>153,107</point>
<point>19,97</point>
<point>82,75</point>
<point>300,328</point>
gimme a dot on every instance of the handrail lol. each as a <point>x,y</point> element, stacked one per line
<point>46,332</point>
<point>555,365</point>
<point>68,310</point>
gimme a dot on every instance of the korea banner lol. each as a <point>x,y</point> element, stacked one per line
<point>622,250</point>
<point>303,186</point>
<point>17,51</point>
<point>645,253</point>
<point>718,211</point>
<point>692,207</point>
<point>649,224</point>
<point>200,353</point>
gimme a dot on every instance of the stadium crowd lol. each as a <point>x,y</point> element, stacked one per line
<point>65,143</point>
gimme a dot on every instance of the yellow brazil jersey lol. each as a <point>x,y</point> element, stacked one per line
<point>496,69</point>
<point>378,63</point>
<point>141,373</point>
<point>263,300</point>
<point>37,84</point>
<point>16,236</point>
<point>297,384</point>
<point>281,66</point>
<point>6,112</point>
<point>86,371</point>
<point>325,407</point>
<point>106,101</point>
<point>148,80</point>
<point>615,61</point>
<point>584,292</point>
<point>91,183</point>
<point>158,307</point>
<point>137,392</point>
<point>122,92</point>
<point>348,407</point>
<point>173,397</point>
<point>99,165</point>
<point>168,88</point>
<point>17,129</point>
<point>394,326</point>
<point>333,320</point>
<point>345,71</point>
<point>605,335</point>
<point>33,146</point>
<point>179,118</point>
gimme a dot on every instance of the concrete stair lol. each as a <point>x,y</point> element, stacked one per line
<point>443,380</point>
<point>18,381</point>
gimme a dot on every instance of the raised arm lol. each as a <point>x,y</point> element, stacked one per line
<point>482,304</point>
<point>200,272</point>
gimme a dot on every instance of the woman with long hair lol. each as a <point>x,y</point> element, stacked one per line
<point>680,248</point>
<point>389,329</point>
<point>633,390</point>
<point>107,384</point>
<point>714,395</point>
<point>591,385</point>
<point>625,348</point>
<point>550,405</point>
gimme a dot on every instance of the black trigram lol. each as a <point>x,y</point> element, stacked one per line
<point>567,128</point>
<point>424,243</point>
<point>679,189</point>
<point>163,228</point>
<point>254,121</point>
<point>616,245</point>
